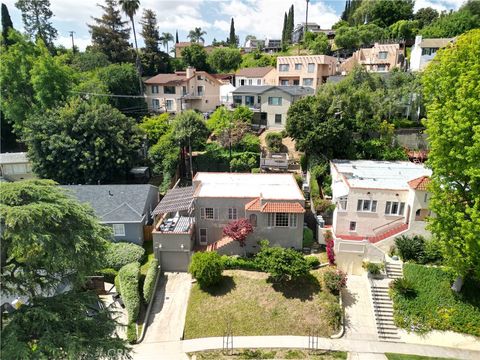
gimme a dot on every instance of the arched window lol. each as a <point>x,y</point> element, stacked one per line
<point>253,220</point>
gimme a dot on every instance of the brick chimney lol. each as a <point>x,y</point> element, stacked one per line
<point>190,72</point>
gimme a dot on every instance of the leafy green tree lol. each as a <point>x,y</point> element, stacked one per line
<point>36,16</point>
<point>452,24</point>
<point>451,86</point>
<point>110,34</point>
<point>82,142</point>
<point>155,127</point>
<point>190,130</point>
<point>164,156</point>
<point>89,60</point>
<point>65,326</point>
<point>196,56</point>
<point>370,33</point>
<point>258,59</point>
<point>425,16</point>
<point>206,268</point>
<point>224,60</point>
<point>317,43</point>
<point>6,26</point>
<point>383,12</point>
<point>122,79</point>
<point>346,37</point>
<point>404,29</point>
<point>363,35</point>
<point>196,35</point>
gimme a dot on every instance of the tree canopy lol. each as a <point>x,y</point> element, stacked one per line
<point>451,87</point>
<point>224,60</point>
<point>36,20</point>
<point>196,56</point>
<point>82,142</point>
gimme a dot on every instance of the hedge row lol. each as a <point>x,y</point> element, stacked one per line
<point>240,263</point>
<point>149,282</point>
<point>108,274</point>
<point>128,279</point>
<point>122,253</point>
<point>132,333</point>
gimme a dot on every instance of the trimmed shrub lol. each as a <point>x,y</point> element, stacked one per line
<point>403,287</point>
<point>373,268</point>
<point>132,333</point>
<point>334,314</point>
<point>108,274</point>
<point>207,268</point>
<point>410,247</point>
<point>116,281</point>
<point>282,264</point>
<point>122,253</point>
<point>312,261</point>
<point>432,253</point>
<point>235,262</point>
<point>334,280</point>
<point>149,282</point>
<point>307,237</point>
<point>129,276</point>
<point>274,142</point>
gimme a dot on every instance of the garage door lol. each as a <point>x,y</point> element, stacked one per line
<point>174,261</point>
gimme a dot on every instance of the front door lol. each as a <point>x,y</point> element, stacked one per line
<point>203,236</point>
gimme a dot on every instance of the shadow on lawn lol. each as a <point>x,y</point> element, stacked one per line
<point>302,288</point>
<point>226,285</point>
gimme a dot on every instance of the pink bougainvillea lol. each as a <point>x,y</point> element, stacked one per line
<point>330,252</point>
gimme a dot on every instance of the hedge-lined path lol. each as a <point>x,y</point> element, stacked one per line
<point>169,309</point>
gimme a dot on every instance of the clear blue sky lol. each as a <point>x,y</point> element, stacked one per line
<point>262,18</point>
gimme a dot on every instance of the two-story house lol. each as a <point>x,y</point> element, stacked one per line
<point>297,34</point>
<point>424,50</point>
<point>379,58</point>
<point>183,90</point>
<point>270,104</point>
<point>256,76</point>
<point>309,70</point>
<point>376,200</point>
<point>193,218</point>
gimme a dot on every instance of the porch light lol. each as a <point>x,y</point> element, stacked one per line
<point>181,246</point>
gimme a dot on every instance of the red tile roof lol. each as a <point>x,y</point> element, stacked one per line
<point>275,207</point>
<point>420,183</point>
<point>166,78</point>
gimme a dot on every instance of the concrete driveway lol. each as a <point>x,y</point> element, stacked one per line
<point>169,309</point>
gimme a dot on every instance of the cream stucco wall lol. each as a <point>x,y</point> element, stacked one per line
<point>324,66</point>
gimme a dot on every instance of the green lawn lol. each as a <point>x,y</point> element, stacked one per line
<point>391,356</point>
<point>251,305</point>
<point>435,306</point>
<point>270,354</point>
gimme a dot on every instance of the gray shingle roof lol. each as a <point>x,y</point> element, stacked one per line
<point>294,90</point>
<point>176,199</point>
<point>114,202</point>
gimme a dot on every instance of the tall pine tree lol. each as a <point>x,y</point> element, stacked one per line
<point>6,25</point>
<point>232,40</point>
<point>153,60</point>
<point>284,31</point>
<point>289,26</point>
<point>36,20</point>
<point>110,34</point>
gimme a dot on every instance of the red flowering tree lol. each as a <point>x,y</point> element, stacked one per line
<point>329,244</point>
<point>238,230</point>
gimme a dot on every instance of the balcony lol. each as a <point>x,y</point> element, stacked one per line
<point>193,96</point>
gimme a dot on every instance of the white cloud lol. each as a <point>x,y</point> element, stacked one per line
<point>222,25</point>
<point>264,18</point>
<point>439,5</point>
<point>80,43</point>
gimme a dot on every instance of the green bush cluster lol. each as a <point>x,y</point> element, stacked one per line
<point>235,262</point>
<point>108,274</point>
<point>307,237</point>
<point>436,306</point>
<point>149,282</point>
<point>334,313</point>
<point>116,281</point>
<point>129,276</point>
<point>274,142</point>
<point>123,253</point>
<point>334,280</point>
<point>312,261</point>
<point>217,158</point>
<point>403,287</point>
<point>206,268</point>
<point>417,249</point>
<point>132,333</point>
<point>373,268</point>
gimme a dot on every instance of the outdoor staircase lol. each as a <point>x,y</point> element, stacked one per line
<point>389,233</point>
<point>383,305</point>
<point>217,245</point>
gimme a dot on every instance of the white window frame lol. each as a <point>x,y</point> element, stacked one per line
<point>278,115</point>
<point>382,54</point>
<point>205,216</point>
<point>270,220</point>
<point>292,220</point>
<point>342,203</point>
<point>270,100</point>
<point>354,226</point>
<point>118,229</point>
<point>169,101</point>
<point>390,205</point>
<point>282,220</point>
<point>250,81</point>
<point>154,89</point>
<point>232,214</point>
<point>155,104</point>
<point>367,205</point>
<point>298,66</point>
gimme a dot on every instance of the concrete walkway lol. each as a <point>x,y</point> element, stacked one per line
<point>359,317</point>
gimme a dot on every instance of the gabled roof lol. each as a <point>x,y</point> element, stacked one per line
<point>294,90</point>
<point>114,203</point>
<point>274,207</point>
<point>255,72</point>
<point>167,78</point>
<point>419,183</point>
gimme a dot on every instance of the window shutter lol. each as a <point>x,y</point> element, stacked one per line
<point>215,213</point>
<point>202,213</point>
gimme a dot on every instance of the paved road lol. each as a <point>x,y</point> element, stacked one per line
<point>167,320</point>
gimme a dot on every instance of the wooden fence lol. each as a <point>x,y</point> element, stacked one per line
<point>147,232</point>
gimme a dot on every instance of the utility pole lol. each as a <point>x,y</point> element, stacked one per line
<point>73,42</point>
<point>306,22</point>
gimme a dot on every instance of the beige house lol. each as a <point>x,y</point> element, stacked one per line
<point>379,58</point>
<point>256,76</point>
<point>424,50</point>
<point>270,104</point>
<point>192,218</point>
<point>309,70</point>
<point>377,200</point>
<point>183,90</point>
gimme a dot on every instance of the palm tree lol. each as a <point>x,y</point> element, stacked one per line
<point>197,35</point>
<point>165,39</point>
<point>130,8</point>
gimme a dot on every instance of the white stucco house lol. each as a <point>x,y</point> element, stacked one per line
<point>376,200</point>
<point>424,50</point>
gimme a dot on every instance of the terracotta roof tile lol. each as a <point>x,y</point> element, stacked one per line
<point>420,183</point>
<point>275,207</point>
<point>253,205</point>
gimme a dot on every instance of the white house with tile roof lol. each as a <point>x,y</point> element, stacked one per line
<point>376,200</point>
